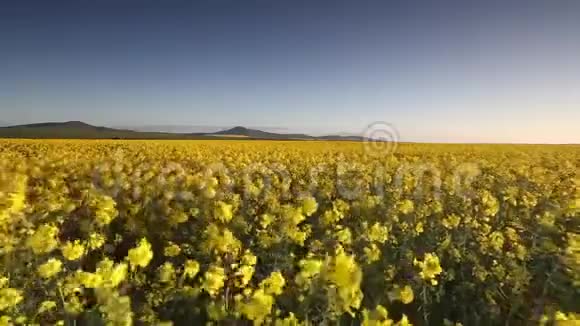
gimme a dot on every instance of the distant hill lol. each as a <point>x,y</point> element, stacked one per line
<point>254,133</point>
<point>72,129</point>
<point>340,137</point>
<point>82,130</point>
<point>69,125</point>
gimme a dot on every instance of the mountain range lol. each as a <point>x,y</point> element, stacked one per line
<point>81,130</point>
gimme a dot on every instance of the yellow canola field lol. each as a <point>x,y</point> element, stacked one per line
<point>287,233</point>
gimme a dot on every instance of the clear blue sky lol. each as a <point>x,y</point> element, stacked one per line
<point>492,71</point>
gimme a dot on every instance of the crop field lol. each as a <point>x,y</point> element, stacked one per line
<point>245,232</point>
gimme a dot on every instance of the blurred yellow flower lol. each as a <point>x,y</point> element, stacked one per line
<point>96,241</point>
<point>406,294</point>
<point>43,240</point>
<point>73,250</point>
<point>309,206</point>
<point>274,284</point>
<point>52,267</point>
<point>46,306</point>
<point>191,268</point>
<point>172,250</point>
<point>10,298</point>
<point>141,255</point>
<point>112,274</point>
<point>213,281</point>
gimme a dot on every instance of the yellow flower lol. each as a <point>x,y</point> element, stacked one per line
<point>344,236</point>
<point>115,308</point>
<point>404,321</point>
<point>6,321</point>
<point>309,206</point>
<point>191,268</point>
<point>404,294</point>
<point>377,317</point>
<point>46,306</point>
<point>214,280</point>
<point>430,267</point>
<point>223,212</point>
<point>96,241</point>
<point>172,250</point>
<point>274,284</point>
<point>221,241</point>
<point>258,307</point>
<point>452,221</point>
<point>89,280</point>
<point>166,272</point>
<point>490,203</point>
<point>345,276</point>
<point>291,320</point>
<point>249,258</point>
<point>50,268</point>
<point>266,220</point>
<point>244,274</point>
<point>372,253</point>
<point>496,240</point>
<point>419,228</point>
<point>43,240</point>
<point>111,274</point>
<point>378,233</point>
<point>309,268</point>
<point>406,206</point>
<point>9,298</point>
<point>141,255</point>
<point>73,250</point>
<point>13,201</point>
<point>178,217</point>
<point>106,210</point>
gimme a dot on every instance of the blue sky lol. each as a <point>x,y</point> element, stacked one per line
<point>494,71</point>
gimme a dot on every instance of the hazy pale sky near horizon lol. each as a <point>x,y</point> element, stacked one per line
<point>485,71</point>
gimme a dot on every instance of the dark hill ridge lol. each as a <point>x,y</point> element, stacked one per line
<point>82,130</point>
<point>70,129</point>
<point>254,133</point>
<point>68,124</point>
<point>63,125</point>
<point>239,130</point>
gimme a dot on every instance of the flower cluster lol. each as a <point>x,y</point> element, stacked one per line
<point>287,233</point>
